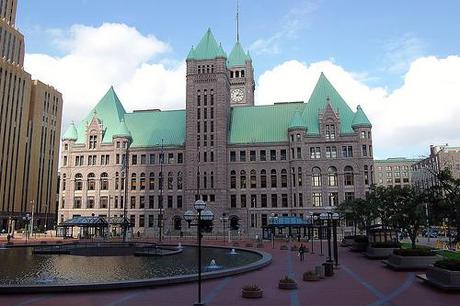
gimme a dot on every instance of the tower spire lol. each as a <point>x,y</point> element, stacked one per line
<point>237,21</point>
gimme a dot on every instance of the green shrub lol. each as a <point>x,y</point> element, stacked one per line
<point>387,244</point>
<point>448,264</point>
<point>287,279</point>
<point>361,239</point>
<point>251,287</point>
<point>414,252</point>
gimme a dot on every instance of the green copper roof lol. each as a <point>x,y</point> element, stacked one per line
<point>109,111</point>
<point>122,131</point>
<point>191,54</point>
<point>360,119</point>
<point>237,57</point>
<point>71,133</point>
<point>207,48</point>
<point>322,94</point>
<point>397,160</point>
<point>297,121</point>
<point>267,123</point>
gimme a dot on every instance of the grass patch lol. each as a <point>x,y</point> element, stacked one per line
<point>449,254</point>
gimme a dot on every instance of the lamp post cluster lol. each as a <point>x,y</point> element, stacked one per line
<point>331,219</point>
<point>200,214</point>
<point>273,220</point>
<point>27,220</point>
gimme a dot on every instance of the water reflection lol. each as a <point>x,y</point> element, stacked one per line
<point>20,266</point>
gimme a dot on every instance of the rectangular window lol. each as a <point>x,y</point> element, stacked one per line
<point>179,201</point>
<point>151,221</point>
<point>243,201</point>
<point>152,160</point>
<point>317,200</point>
<point>180,158</point>
<point>300,199</point>
<point>364,150</point>
<point>283,154</point>
<point>132,220</point>
<point>77,203</point>
<point>90,202</point>
<point>151,202</point>
<point>232,156</point>
<point>233,201</point>
<point>170,201</point>
<point>349,196</point>
<point>284,200</point>
<point>103,202</point>
<point>272,155</point>
<point>315,152</point>
<point>263,155</point>
<point>252,155</point>
<point>347,151</point>
<point>242,156</point>
<point>299,153</point>
<point>333,199</point>
<point>253,201</point>
<point>141,221</point>
<point>263,200</point>
<point>170,158</point>
<point>330,131</point>
<point>141,202</point>
<point>134,159</point>
<point>274,200</point>
<point>132,202</point>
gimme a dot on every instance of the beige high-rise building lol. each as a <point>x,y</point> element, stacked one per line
<point>396,171</point>
<point>30,126</point>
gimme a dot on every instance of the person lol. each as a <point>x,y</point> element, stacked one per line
<point>302,252</point>
<point>8,237</point>
<point>138,234</point>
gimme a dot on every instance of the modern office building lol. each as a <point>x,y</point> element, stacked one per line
<point>246,161</point>
<point>440,157</point>
<point>395,171</point>
<point>30,125</point>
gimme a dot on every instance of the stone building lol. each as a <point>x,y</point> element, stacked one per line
<point>30,127</point>
<point>440,157</point>
<point>247,162</point>
<point>395,171</point>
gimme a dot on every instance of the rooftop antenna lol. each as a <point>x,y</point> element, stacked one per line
<point>237,21</point>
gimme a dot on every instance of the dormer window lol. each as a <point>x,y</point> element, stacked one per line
<point>231,74</point>
<point>92,141</point>
<point>242,73</point>
<point>330,131</point>
<point>237,74</point>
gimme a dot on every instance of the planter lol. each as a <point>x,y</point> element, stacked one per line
<point>252,294</point>
<point>398,262</point>
<point>358,246</point>
<point>346,242</point>
<point>378,253</point>
<point>310,277</point>
<point>287,285</point>
<point>444,277</point>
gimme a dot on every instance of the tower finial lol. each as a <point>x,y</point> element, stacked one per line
<point>237,21</point>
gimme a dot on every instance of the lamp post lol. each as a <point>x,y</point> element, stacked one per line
<point>313,218</point>
<point>273,220</point>
<point>331,218</point>
<point>325,216</point>
<point>202,214</point>
<point>224,220</point>
<point>27,219</point>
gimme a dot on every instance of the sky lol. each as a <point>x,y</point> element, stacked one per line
<point>399,60</point>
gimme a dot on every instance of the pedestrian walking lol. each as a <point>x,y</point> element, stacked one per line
<point>302,252</point>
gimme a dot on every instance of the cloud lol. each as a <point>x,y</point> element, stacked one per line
<point>291,24</point>
<point>423,111</point>
<point>400,52</point>
<point>94,58</point>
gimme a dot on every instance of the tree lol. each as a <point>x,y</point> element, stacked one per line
<point>359,211</point>
<point>410,214</point>
<point>449,188</point>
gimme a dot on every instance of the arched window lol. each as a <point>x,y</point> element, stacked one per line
<point>233,179</point>
<point>170,181</point>
<point>273,178</point>
<point>91,181</point>
<point>142,181</point>
<point>179,180</point>
<point>152,181</point>
<point>133,181</point>
<point>104,181</point>
<point>366,175</point>
<point>253,179</point>
<point>242,179</point>
<point>64,176</point>
<point>332,176</point>
<point>284,178</point>
<point>348,178</point>
<point>263,178</point>
<point>299,176</point>
<point>212,179</point>
<point>316,177</point>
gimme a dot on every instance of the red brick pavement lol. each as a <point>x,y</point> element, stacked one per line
<point>358,281</point>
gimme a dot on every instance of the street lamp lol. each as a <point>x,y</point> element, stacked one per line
<point>224,220</point>
<point>273,220</point>
<point>325,216</point>
<point>203,215</point>
<point>27,220</point>
<point>331,216</point>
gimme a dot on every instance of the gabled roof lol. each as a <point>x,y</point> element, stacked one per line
<point>71,133</point>
<point>297,122</point>
<point>122,131</point>
<point>322,94</point>
<point>360,119</point>
<point>237,56</point>
<point>109,111</point>
<point>207,48</point>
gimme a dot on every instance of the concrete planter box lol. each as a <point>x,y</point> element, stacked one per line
<point>399,262</point>
<point>251,294</point>
<point>378,253</point>
<point>358,246</point>
<point>287,285</point>
<point>443,278</point>
<point>346,242</point>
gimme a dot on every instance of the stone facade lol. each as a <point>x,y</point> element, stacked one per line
<point>30,125</point>
<point>297,169</point>
<point>440,157</point>
<point>394,171</point>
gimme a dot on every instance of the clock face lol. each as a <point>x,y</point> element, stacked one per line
<point>237,95</point>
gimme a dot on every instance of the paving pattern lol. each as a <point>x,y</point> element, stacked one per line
<point>358,281</point>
